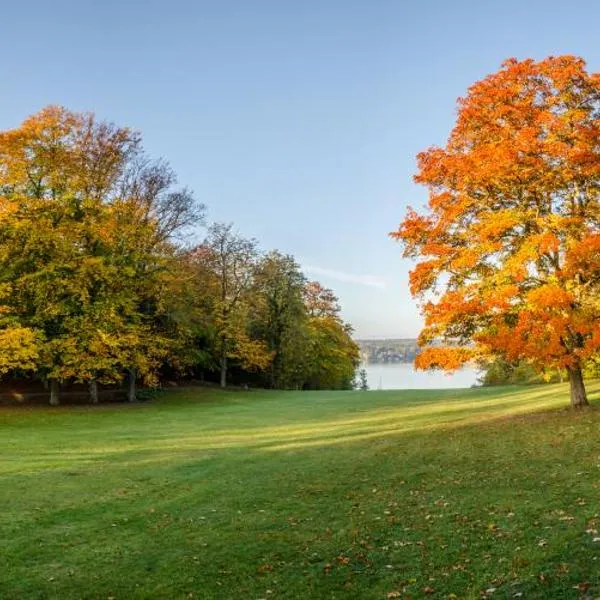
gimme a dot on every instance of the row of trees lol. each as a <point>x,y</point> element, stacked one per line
<point>97,282</point>
<point>264,316</point>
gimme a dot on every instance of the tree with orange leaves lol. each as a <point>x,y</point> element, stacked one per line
<point>509,247</point>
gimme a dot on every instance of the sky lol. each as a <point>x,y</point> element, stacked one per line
<point>297,121</point>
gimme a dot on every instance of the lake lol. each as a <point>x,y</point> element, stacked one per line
<point>403,376</point>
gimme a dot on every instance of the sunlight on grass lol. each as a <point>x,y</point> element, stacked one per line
<point>337,494</point>
<point>372,423</point>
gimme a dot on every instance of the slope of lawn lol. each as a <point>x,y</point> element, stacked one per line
<point>208,494</point>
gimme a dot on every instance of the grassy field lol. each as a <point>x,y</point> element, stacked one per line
<point>205,494</point>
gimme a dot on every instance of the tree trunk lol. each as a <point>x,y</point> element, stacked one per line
<point>54,392</point>
<point>131,388</point>
<point>273,374</point>
<point>94,391</point>
<point>578,395</point>
<point>224,371</point>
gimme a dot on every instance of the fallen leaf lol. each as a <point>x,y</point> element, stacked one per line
<point>582,587</point>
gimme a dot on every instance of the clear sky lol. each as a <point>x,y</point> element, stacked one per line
<point>297,120</point>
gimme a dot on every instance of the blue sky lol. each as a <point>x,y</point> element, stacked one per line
<point>298,121</point>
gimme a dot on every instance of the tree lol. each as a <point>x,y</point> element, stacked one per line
<point>334,355</point>
<point>280,319</point>
<point>363,383</point>
<point>509,248</point>
<point>320,301</point>
<point>230,261</point>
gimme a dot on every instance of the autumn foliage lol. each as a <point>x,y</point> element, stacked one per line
<point>508,248</point>
<point>98,284</point>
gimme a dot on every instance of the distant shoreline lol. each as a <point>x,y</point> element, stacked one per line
<point>388,351</point>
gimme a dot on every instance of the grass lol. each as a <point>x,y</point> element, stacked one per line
<point>206,494</point>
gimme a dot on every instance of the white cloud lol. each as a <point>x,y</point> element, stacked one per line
<point>368,280</point>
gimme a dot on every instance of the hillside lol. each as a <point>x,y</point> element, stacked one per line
<point>206,494</point>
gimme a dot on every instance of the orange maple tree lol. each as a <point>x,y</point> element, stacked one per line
<point>509,247</point>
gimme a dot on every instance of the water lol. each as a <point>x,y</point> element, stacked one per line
<point>403,376</point>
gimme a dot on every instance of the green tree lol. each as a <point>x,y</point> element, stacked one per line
<point>280,318</point>
<point>363,383</point>
<point>334,355</point>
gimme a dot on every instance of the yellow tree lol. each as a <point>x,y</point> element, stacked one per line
<point>86,223</point>
<point>508,249</point>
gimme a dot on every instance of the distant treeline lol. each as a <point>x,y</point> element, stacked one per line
<point>98,284</point>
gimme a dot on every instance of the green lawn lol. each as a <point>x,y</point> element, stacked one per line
<point>205,494</point>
